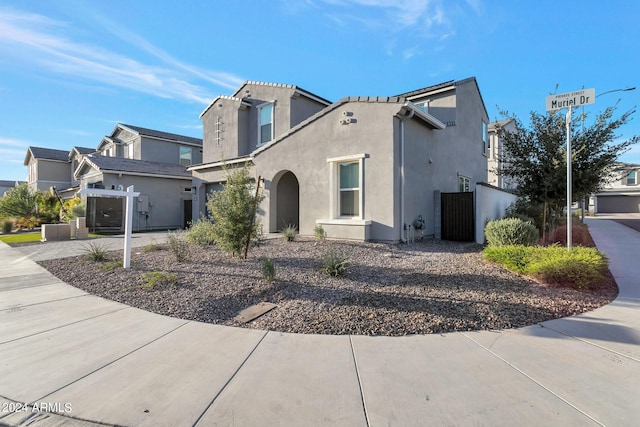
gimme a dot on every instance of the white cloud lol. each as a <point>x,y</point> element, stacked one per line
<point>11,142</point>
<point>38,42</point>
<point>409,19</point>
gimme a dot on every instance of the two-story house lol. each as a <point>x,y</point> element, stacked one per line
<point>154,162</point>
<point>496,155</point>
<point>365,168</point>
<point>621,194</point>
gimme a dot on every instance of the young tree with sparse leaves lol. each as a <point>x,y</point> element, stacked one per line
<point>233,212</point>
<point>536,156</point>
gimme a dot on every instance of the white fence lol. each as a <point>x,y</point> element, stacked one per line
<point>491,203</point>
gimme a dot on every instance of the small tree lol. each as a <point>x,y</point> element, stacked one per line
<point>19,202</point>
<point>233,211</point>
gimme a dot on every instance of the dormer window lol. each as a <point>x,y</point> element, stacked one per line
<point>265,125</point>
<point>631,178</point>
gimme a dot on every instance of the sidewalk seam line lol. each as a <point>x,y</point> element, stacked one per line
<point>592,344</point>
<point>19,306</point>
<point>224,386</point>
<point>533,380</point>
<point>355,365</point>
<point>112,362</point>
<point>64,326</point>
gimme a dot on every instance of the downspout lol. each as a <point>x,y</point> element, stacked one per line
<point>403,119</point>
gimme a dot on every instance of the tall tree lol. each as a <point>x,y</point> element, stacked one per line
<point>536,156</point>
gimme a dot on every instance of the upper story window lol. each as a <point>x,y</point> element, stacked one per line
<point>185,156</point>
<point>631,178</point>
<point>32,175</point>
<point>485,138</point>
<point>109,151</point>
<point>265,125</point>
<point>424,106</point>
<point>130,152</point>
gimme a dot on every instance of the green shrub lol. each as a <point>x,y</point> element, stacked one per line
<point>334,263</point>
<point>319,232</point>
<point>179,245</point>
<point>580,268</point>
<point>511,231</point>
<point>289,233</point>
<point>153,278</point>
<point>201,233</point>
<point>268,270</point>
<point>515,258</point>
<point>7,226</point>
<point>96,251</point>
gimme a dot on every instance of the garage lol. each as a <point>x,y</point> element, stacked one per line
<point>618,203</point>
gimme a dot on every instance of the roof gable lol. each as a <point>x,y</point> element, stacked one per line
<point>174,137</point>
<point>43,153</point>
<point>107,164</point>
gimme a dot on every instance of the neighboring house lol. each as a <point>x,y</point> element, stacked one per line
<point>622,193</point>
<point>134,142</point>
<point>153,161</point>
<point>8,185</point>
<point>47,167</point>
<point>165,192</point>
<point>496,155</point>
<point>365,168</point>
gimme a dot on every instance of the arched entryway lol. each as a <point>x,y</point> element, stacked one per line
<point>287,201</point>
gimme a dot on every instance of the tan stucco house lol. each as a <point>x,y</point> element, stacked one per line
<point>365,168</point>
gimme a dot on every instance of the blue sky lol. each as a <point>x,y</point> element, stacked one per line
<point>71,69</point>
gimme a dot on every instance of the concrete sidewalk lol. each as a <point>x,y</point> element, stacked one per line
<point>97,361</point>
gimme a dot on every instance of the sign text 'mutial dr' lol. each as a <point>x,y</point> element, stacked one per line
<point>571,99</point>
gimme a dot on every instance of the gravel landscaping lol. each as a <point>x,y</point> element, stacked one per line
<point>421,288</point>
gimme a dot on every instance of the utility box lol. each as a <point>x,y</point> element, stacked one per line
<point>143,203</point>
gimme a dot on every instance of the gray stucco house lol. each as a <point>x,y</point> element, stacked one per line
<point>154,162</point>
<point>621,193</point>
<point>365,168</point>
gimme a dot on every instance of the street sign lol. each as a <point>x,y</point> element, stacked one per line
<point>571,99</point>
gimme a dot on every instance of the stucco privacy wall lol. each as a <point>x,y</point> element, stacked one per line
<point>491,203</point>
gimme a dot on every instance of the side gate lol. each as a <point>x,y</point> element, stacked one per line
<point>457,217</point>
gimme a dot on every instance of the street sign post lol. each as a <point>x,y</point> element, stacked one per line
<point>569,100</point>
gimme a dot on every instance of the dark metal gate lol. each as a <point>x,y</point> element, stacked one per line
<point>457,217</point>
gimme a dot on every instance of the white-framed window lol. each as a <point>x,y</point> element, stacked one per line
<point>265,123</point>
<point>463,184</point>
<point>632,178</point>
<point>130,151</point>
<point>349,187</point>
<point>347,184</point>
<point>185,156</point>
<point>485,138</point>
